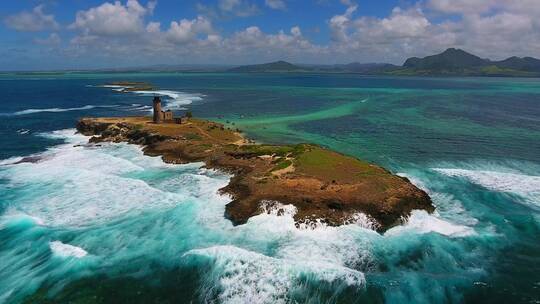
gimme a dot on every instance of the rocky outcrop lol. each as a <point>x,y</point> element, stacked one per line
<point>118,132</point>
<point>323,185</point>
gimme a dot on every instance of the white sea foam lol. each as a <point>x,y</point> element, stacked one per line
<point>117,88</point>
<point>250,277</point>
<point>447,205</point>
<point>82,186</point>
<point>65,250</point>
<point>53,110</point>
<point>10,161</point>
<point>58,110</point>
<point>141,108</point>
<point>527,186</point>
<point>103,188</point>
<point>422,222</point>
<point>176,100</point>
<point>8,219</point>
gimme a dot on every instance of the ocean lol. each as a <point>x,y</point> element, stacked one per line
<point>107,224</point>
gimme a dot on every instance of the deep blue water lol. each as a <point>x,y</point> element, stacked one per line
<point>108,225</point>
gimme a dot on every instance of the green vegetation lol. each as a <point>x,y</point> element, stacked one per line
<point>282,165</point>
<point>133,85</point>
<point>281,151</point>
<point>456,62</point>
<point>317,161</point>
<point>193,136</point>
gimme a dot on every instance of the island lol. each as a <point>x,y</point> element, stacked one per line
<point>131,86</point>
<point>323,185</point>
<point>451,62</point>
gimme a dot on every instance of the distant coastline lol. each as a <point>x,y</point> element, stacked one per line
<point>452,63</point>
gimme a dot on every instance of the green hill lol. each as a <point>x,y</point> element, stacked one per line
<point>451,59</point>
<point>456,62</point>
<point>278,66</point>
<point>527,64</point>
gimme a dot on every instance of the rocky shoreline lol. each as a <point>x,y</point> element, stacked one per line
<point>323,185</point>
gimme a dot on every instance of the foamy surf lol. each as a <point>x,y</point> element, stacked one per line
<point>421,222</point>
<point>94,186</point>
<point>175,100</point>
<point>121,206</point>
<point>65,250</point>
<point>249,277</point>
<point>59,110</point>
<point>527,186</point>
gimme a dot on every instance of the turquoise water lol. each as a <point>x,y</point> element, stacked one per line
<point>106,224</point>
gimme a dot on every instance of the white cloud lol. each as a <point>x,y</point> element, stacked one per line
<point>340,23</point>
<point>239,8</point>
<point>123,32</point>
<point>489,28</point>
<point>264,46</point>
<point>187,30</point>
<point>113,19</point>
<point>33,21</point>
<point>276,4</point>
<point>400,24</point>
<point>52,40</point>
<point>153,27</point>
<point>461,6</point>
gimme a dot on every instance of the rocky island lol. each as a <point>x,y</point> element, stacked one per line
<point>322,184</point>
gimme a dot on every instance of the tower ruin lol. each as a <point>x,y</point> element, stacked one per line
<point>158,114</point>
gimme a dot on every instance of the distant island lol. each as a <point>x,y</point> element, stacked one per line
<point>452,62</point>
<point>460,63</point>
<point>323,185</point>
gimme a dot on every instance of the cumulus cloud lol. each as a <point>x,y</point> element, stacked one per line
<point>32,21</point>
<point>276,4</point>
<point>339,24</point>
<point>113,18</point>
<point>229,8</point>
<point>124,30</point>
<point>489,28</point>
<point>187,30</point>
<point>400,24</point>
<point>461,6</point>
<point>52,40</point>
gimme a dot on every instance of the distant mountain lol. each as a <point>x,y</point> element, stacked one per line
<point>450,59</point>
<point>452,62</point>
<point>524,64</point>
<point>283,66</point>
<point>457,62</point>
<point>278,66</point>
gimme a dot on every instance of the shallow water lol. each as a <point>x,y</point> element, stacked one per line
<point>108,224</point>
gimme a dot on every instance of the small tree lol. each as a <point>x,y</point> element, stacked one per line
<point>189,114</point>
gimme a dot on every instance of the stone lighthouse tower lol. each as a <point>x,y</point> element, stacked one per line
<point>158,116</point>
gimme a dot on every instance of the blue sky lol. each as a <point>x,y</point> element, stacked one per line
<point>59,34</point>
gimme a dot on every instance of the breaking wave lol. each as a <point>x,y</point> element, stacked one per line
<point>110,205</point>
<point>65,250</point>
<point>422,222</point>
<point>58,110</point>
<point>175,100</point>
<point>249,277</point>
<point>504,180</point>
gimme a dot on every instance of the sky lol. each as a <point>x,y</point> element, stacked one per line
<point>82,34</point>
